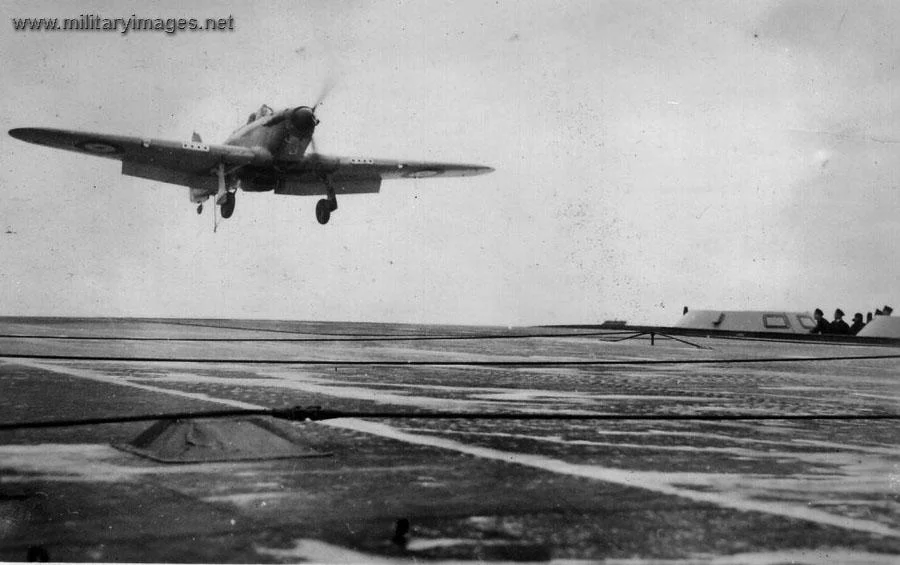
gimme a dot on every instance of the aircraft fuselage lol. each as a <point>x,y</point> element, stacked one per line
<point>285,134</point>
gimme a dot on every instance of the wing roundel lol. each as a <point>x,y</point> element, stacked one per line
<point>168,161</point>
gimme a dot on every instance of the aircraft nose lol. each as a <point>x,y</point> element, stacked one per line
<point>304,120</point>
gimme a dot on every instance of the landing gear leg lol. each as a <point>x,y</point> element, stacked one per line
<point>223,191</point>
<point>225,197</point>
<point>326,206</point>
<point>199,208</point>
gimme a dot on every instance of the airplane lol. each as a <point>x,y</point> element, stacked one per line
<point>268,153</point>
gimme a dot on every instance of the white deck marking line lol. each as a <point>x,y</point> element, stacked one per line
<point>318,551</point>
<point>791,442</point>
<point>736,451</point>
<point>884,396</point>
<point>91,463</point>
<point>99,377</point>
<point>647,480</point>
<point>652,481</point>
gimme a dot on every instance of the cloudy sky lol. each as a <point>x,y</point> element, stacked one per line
<point>649,155</point>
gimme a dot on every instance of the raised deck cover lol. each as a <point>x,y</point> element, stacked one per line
<point>204,441</point>
<point>748,321</point>
<point>881,326</point>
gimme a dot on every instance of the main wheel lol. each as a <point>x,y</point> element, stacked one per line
<point>228,205</point>
<point>323,211</point>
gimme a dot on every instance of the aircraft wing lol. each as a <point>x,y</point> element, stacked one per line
<point>348,168</point>
<point>168,161</point>
<point>191,163</point>
<point>360,176</point>
<point>392,169</point>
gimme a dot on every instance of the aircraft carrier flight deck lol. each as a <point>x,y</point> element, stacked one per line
<point>701,450</point>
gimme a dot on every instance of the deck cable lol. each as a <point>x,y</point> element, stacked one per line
<point>336,338</point>
<point>451,362</point>
<point>317,413</point>
<point>300,332</point>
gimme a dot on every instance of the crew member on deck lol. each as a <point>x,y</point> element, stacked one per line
<point>839,326</point>
<point>822,325</point>
<point>858,323</point>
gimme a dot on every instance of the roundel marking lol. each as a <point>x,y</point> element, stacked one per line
<point>99,147</point>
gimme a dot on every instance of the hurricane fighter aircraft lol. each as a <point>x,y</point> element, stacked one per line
<point>268,153</point>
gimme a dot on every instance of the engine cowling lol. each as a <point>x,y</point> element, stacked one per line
<point>303,121</point>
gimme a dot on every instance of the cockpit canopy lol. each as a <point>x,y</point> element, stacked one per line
<point>263,111</point>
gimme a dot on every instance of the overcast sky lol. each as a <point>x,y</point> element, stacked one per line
<point>649,155</point>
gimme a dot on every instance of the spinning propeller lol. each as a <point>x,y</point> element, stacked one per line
<point>302,120</point>
<point>326,90</point>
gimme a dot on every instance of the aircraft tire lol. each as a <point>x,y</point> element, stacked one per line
<point>323,211</point>
<point>228,205</point>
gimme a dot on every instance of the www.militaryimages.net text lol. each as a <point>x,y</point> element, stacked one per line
<point>94,22</point>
